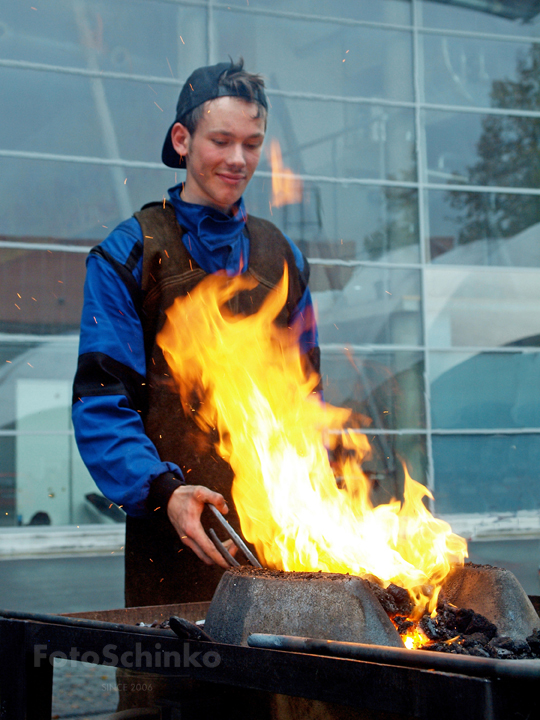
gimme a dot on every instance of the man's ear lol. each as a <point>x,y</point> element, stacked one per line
<point>180,138</point>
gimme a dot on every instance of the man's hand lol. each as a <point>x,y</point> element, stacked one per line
<point>184,510</point>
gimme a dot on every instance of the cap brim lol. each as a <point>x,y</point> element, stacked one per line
<point>169,156</point>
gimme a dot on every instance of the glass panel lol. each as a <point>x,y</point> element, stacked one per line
<point>385,389</point>
<point>508,18</point>
<point>40,292</point>
<point>482,149</point>
<point>75,201</point>
<point>40,469</point>
<point>473,228</point>
<point>349,60</point>
<point>343,140</point>
<point>487,473</point>
<point>365,305</point>
<point>492,308</point>
<point>392,11</point>
<point>488,390</point>
<point>120,36</point>
<point>105,118</point>
<point>350,222</point>
<point>480,73</point>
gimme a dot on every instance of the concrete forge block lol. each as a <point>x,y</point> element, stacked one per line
<point>317,605</point>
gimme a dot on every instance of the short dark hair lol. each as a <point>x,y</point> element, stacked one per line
<point>241,84</point>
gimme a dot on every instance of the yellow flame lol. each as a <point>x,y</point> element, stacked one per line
<point>287,188</point>
<point>275,433</point>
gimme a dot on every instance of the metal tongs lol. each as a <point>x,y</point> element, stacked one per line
<point>235,537</point>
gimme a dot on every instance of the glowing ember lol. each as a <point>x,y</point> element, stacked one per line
<point>415,639</point>
<point>287,188</point>
<point>275,433</point>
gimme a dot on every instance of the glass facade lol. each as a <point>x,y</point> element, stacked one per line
<point>415,128</point>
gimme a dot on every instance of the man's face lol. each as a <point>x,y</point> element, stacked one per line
<point>223,152</point>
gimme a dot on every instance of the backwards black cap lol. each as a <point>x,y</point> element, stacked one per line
<point>203,85</point>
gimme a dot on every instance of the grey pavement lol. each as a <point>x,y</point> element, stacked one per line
<point>76,584</point>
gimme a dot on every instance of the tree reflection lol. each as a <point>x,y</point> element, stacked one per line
<point>509,156</point>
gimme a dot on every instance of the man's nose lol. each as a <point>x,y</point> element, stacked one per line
<point>236,156</point>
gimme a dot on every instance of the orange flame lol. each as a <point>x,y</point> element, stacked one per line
<point>287,188</point>
<point>275,433</point>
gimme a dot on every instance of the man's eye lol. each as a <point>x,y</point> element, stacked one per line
<point>220,142</point>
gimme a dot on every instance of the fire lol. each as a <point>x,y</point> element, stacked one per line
<point>287,188</point>
<point>276,432</point>
<point>415,639</point>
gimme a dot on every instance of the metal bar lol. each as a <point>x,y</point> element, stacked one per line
<point>222,549</point>
<point>85,623</point>
<point>462,664</point>
<point>235,537</point>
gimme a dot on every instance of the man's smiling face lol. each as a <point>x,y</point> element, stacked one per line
<point>223,152</point>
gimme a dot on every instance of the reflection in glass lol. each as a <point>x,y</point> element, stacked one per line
<point>479,72</point>
<point>353,140</point>
<point>495,473</point>
<point>365,305</point>
<point>74,201</point>
<point>505,18</point>
<point>349,222</point>
<point>40,291</point>
<point>41,473</point>
<point>121,36</point>
<point>384,390</point>
<point>350,60</point>
<point>478,228</point>
<point>488,390</point>
<point>465,307</point>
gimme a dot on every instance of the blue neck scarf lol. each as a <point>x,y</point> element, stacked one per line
<point>214,240</point>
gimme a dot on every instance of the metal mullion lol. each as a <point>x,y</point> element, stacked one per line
<point>43,246</point>
<point>465,350</point>
<point>421,164</point>
<point>477,35</point>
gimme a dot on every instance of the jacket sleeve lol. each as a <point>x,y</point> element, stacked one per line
<point>109,392</point>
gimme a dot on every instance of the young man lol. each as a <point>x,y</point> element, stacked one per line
<point>144,453</point>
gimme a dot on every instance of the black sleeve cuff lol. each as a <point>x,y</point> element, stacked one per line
<point>161,490</point>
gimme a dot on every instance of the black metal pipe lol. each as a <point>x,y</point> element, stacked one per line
<point>84,622</point>
<point>461,664</point>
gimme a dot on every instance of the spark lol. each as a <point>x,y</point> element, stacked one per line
<point>125,181</point>
<point>155,103</point>
<point>34,299</point>
<point>152,89</point>
<point>19,296</point>
<point>334,324</point>
<point>18,308</point>
<point>191,86</point>
<point>129,346</point>
<point>31,8</point>
<point>94,319</point>
<point>150,237</point>
<point>270,206</point>
<point>164,201</point>
<point>182,39</point>
<point>166,253</point>
<point>61,281</point>
<point>9,361</point>
<point>158,508</point>
<point>170,68</point>
<point>105,226</point>
<point>388,293</point>
<point>30,365</point>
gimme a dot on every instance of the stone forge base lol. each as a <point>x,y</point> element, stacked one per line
<point>318,605</point>
<point>496,594</point>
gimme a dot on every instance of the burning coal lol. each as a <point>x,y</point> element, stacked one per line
<point>253,385</point>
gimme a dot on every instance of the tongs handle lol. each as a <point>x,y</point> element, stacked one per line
<point>235,537</point>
